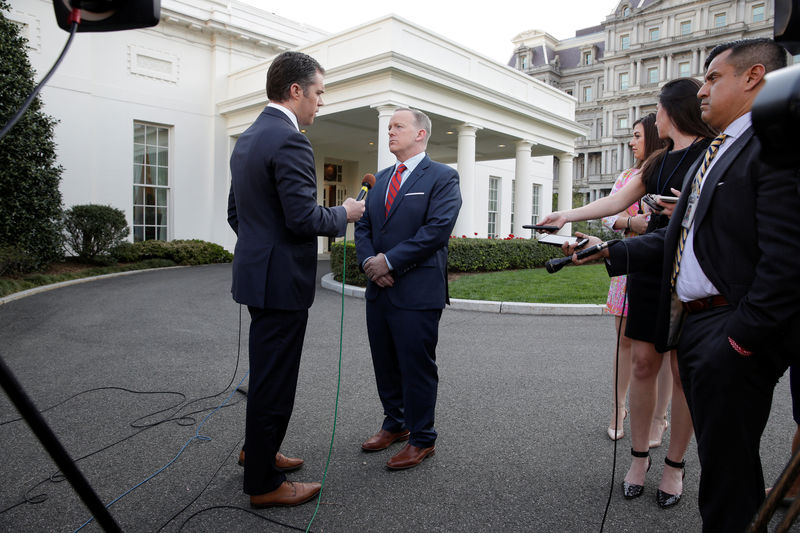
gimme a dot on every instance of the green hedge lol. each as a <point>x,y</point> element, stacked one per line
<point>353,274</point>
<point>465,255</point>
<point>488,255</point>
<point>182,252</point>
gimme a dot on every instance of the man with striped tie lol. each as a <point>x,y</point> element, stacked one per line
<point>401,243</point>
<point>730,300</point>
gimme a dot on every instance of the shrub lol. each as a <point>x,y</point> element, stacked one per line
<point>14,261</point>
<point>353,274</point>
<point>93,230</point>
<point>182,252</point>
<point>464,255</point>
<point>30,200</point>
<point>486,255</point>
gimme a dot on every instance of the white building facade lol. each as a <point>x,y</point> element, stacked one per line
<point>148,118</point>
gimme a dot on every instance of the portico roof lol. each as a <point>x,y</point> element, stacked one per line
<point>393,62</point>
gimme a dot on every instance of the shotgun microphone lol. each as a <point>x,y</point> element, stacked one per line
<point>366,184</point>
<point>554,265</point>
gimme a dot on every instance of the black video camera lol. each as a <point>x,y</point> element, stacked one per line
<point>776,110</point>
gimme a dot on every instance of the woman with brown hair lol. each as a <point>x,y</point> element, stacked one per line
<point>633,221</point>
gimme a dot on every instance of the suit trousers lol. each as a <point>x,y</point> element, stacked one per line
<point>276,343</point>
<point>403,345</point>
<point>729,397</point>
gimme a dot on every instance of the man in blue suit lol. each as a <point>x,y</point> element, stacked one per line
<point>401,243</point>
<point>273,209</point>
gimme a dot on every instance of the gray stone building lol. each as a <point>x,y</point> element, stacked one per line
<point>615,69</point>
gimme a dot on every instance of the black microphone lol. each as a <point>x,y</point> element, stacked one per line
<point>366,184</point>
<point>554,265</point>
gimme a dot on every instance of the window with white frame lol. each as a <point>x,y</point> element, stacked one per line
<point>535,199</point>
<point>686,27</point>
<point>523,61</point>
<point>150,182</point>
<point>626,12</point>
<point>587,57</point>
<point>684,69</point>
<point>622,122</point>
<point>719,20</point>
<point>513,201</point>
<point>494,186</point>
<point>624,42</point>
<point>654,34</point>
<point>757,12</point>
<point>587,93</point>
<point>624,81</point>
<point>652,75</point>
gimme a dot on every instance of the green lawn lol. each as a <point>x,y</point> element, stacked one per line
<point>576,285</point>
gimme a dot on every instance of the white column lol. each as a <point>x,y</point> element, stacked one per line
<point>586,167</point>
<point>700,64</point>
<point>565,187</point>
<point>669,75</point>
<point>638,73</point>
<point>385,157</point>
<point>465,225</point>
<point>523,193</point>
<point>693,66</point>
<point>662,69</point>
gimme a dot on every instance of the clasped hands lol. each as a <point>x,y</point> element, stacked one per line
<point>378,272</point>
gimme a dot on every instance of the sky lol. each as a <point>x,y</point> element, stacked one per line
<point>485,27</point>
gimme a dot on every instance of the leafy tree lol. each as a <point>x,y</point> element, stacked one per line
<point>30,199</point>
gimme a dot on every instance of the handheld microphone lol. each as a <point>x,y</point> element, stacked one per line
<point>554,265</point>
<point>366,184</point>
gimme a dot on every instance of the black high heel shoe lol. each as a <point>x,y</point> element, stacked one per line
<point>666,500</point>
<point>630,490</point>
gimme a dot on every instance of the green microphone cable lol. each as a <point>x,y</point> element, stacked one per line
<point>338,387</point>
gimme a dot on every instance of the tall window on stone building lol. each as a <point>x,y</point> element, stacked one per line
<point>494,185</point>
<point>654,34</point>
<point>686,27</point>
<point>758,13</point>
<point>587,58</point>
<point>719,20</point>
<point>523,61</point>
<point>537,193</point>
<point>150,182</point>
<point>624,81</point>
<point>624,42</point>
<point>587,93</point>
<point>652,75</point>
<point>684,69</point>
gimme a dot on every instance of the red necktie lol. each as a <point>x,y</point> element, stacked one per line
<point>394,186</point>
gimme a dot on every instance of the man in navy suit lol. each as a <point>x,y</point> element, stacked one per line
<point>401,243</point>
<point>273,209</point>
<point>731,265</point>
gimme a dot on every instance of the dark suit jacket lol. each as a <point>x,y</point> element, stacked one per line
<point>746,241</point>
<point>273,209</point>
<point>415,235</point>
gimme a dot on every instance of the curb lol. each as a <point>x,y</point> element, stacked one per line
<point>483,306</point>
<point>53,286</point>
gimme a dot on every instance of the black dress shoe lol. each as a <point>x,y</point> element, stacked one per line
<point>666,500</point>
<point>631,490</point>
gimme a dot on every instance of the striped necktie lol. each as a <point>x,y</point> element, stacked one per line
<point>394,186</point>
<point>698,180</point>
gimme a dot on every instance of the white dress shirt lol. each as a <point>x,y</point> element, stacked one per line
<point>692,282</point>
<point>288,112</point>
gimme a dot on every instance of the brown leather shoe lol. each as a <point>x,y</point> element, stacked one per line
<point>286,495</point>
<point>382,439</point>
<point>282,463</point>
<point>409,457</point>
